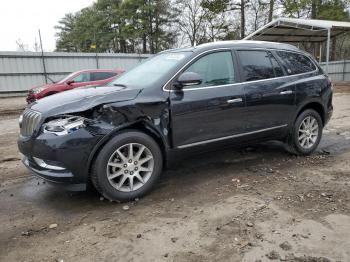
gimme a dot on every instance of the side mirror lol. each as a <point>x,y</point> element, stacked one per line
<point>189,79</point>
<point>69,82</point>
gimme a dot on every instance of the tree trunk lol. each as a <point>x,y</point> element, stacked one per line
<point>333,49</point>
<point>156,31</point>
<point>122,43</point>
<point>314,9</point>
<point>242,19</point>
<point>150,33</point>
<point>144,43</point>
<point>272,4</point>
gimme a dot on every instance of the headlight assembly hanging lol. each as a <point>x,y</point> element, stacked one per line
<point>64,125</point>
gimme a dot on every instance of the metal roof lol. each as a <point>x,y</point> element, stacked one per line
<point>293,30</point>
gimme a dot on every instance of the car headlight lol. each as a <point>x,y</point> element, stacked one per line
<point>64,125</point>
<point>37,90</point>
<point>20,120</point>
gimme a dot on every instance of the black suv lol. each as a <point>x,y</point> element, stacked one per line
<point>121,136</point>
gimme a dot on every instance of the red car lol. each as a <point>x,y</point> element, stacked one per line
<point>73,80</point>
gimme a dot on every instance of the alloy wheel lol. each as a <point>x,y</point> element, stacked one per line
<point>130,167</point>
<point>308,132</point>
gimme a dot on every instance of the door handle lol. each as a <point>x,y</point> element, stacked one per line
<point>287,92</point>
<point>235,100</point>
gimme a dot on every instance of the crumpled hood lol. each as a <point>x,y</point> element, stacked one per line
<point>82,99</point>
<point>46,86</point>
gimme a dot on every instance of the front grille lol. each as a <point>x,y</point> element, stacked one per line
<point>30,122</point>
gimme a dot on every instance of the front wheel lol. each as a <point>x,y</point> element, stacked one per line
<point>127,166</point>
<point>306,133</point>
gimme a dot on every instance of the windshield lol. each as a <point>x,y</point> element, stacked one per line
<point>64,79</point>
<point>151,70</point>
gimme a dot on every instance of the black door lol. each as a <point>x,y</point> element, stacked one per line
<point>212,110</point>
<point>270,95</point>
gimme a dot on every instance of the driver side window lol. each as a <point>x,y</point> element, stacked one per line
<point>215,69</point>
<point>83,77</point>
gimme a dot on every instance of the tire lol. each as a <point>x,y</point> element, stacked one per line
<point>307,144</point>
<point>120,178</point>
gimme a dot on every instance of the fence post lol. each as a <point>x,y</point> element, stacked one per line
<point>97,63</point>
<point>344,65</point>
<point>42,57</point>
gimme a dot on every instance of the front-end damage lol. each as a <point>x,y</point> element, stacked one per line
<point>62,150</point>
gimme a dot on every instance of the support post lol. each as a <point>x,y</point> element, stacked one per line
<point>97,63</point>
<point>320,58</point>
<point>42,57</point>
<point>328,46</point>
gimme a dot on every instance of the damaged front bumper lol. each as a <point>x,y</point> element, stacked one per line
<point>60,159</point>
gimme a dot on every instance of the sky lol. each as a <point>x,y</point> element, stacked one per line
<point>21,19</point>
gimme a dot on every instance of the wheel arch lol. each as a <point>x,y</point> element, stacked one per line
<point>140,126</point>
<point>315,105</point>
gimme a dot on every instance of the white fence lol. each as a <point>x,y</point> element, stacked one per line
<point>21,70</point>
<point>339,71</point>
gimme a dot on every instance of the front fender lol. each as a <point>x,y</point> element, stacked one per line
<point>141,125</point>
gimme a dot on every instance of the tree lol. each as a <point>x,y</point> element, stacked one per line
<point>149,26</point>
<point>271,9</point>
<point>192,20</point>
<point>118,26</point>
<point>230,6</point>
<point>259,12</point>
<point>65,41</point>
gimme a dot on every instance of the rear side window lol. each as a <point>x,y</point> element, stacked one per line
<point>258,65</point>
<point>82,77</point>
<point>101,75</point>
<point>215,69</point>
<point>295,63</point>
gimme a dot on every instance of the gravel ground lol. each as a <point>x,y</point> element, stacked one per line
<point>250,204</point>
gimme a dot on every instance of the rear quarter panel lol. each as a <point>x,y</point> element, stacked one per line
<point>313,88</point>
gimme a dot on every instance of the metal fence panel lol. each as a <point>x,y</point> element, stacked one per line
<point>21,70</point>
<point>339,71</point>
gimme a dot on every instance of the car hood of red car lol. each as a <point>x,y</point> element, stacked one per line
<point>46,86</point>
<point>81,99</point>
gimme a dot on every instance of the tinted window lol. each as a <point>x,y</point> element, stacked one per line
<point>295,63</point>
<point>259,65</point>
<point>215,69</point>
<point>152,70</point>
<point>101,75</point>
<point>275,65</point>
<point>83,77</point>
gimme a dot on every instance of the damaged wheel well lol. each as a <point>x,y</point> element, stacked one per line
<point>139,126</point>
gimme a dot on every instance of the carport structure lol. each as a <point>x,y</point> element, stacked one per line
<point>295,30</point>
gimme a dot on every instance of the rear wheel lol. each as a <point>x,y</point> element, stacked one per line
<point>127,167</point>
<point>306,133</point>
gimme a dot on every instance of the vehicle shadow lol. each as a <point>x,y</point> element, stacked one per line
<point>184,176</point>
<point>186,173</point>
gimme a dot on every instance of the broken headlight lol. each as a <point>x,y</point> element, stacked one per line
<point>38,90</point>
<point>64,125</point>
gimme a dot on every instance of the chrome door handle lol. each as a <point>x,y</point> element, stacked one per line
<point>236,100</point>
<point>287,92</point>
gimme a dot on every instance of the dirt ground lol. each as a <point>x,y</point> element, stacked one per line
<point>250,204</point>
